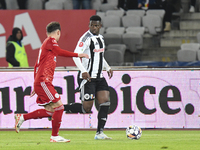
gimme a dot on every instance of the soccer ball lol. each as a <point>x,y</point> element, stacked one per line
<point>133,132</point>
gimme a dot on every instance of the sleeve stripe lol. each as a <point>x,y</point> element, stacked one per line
<point>85,37</point>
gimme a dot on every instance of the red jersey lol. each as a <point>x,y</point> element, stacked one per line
<point>46,63</point>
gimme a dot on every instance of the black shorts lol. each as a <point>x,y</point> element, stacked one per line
<point>89,89</point>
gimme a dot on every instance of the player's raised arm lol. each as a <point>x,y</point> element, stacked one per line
<point>61,52</point>
<point>54,47</point>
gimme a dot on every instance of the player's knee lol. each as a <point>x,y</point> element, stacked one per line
<point>87,110</point>
<point>87,106</point>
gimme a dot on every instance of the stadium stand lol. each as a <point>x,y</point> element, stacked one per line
<point>198,37</point>
<point>158,12</point>
<point>119,13</point>
<point>198,55</point>
<point>105,7</point>
<point>96,5</point>
<point>114,57</point>
<point>113,2</point>
<point>139,30</point>
<point>110,5</point>
<point>120,47</point>
<point>34,5</point>
<point>102,31</point>
<point>138,12</point>
<point>113,35</point>
<point>153,21</point>
<point>113,38</point>
<point>131,21</point>
<point>118,30</point>
<point>111,21</point>
<point>54,5</point>
<point>192,46</point>
<point>188,52</point>
<point>102,15</point>
<point>11,4</point>
<point>134,41</point>
<point>68,5</point>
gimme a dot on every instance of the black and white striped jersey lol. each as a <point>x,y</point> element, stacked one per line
<point>94,46</point>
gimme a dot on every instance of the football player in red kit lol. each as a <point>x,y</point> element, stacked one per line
<point>43,77</point>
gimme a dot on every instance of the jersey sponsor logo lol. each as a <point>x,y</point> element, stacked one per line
<point>56,95</point>
<point>55,44</point>
<point>92,96</point>
<point>81,44</point>
<point>98,50</point>
<point>86,96</point>
<point>54,41</point>
<point>89,96</point>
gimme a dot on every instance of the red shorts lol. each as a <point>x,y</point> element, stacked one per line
<point>46,93</point>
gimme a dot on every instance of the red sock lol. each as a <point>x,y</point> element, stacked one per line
<point>38,114</point>
<point>56,119</point>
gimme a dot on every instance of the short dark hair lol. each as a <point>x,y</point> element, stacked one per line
<point>95,18</point>
<point>53,26</point>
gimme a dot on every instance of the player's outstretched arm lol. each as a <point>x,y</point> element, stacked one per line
<point>83,55</point>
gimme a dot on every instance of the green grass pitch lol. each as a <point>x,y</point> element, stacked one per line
<point>84,140</point>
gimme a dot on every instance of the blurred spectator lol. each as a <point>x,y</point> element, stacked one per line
<point>2,4</point>
<point>192,6</point>
<point>81,4</point>
<point>128,4</point>
<point>15,52</point>
<point>150,4</point>
<point>170,6</point>
<point>22,4</point>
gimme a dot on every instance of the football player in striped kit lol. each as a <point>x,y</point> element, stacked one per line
<point>92,84</point>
